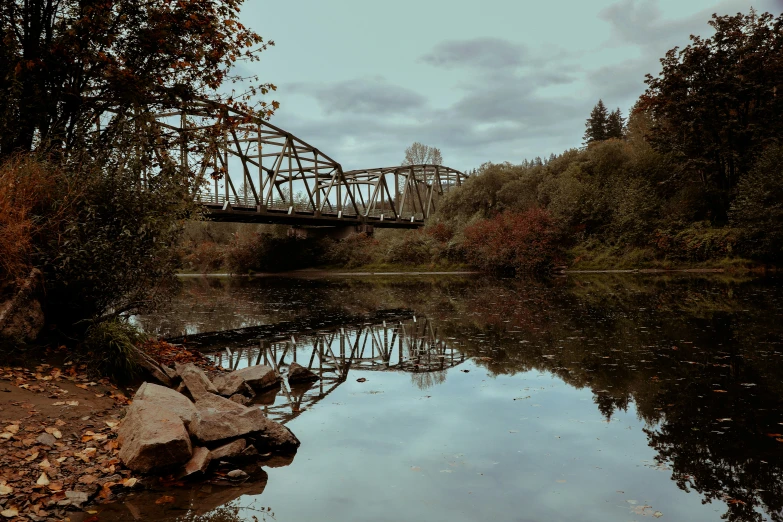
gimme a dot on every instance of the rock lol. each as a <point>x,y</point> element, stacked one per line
<point>77,498</point>
<point>153,437</point>
<point>250,451</point>
<point>257,377</point>
<point>170,372</point>
<point>230,450</point>
<point>230,384</point>
<point>298,374</point>
<point>219,419</point>
<point>46,439</point>
<point>168,399</point>
<point>239,399</point>
<point>236,474</point>
<point>195,380</point>
<point>111,478</point>
<point>198,462</point>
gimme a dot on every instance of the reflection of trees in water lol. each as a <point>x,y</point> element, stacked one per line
<point>424,380</point>
<point>686,351</point>
<point>666,344</point>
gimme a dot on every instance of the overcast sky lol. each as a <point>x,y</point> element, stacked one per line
<point>483,80</point>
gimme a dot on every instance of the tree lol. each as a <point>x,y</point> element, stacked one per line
<point>716,103</point>
<point>82,83</point>
<point>615,125</point>
<point>758,207</point>
<point>65,64</point>
<point>420,154</point>
<point>597,124</point>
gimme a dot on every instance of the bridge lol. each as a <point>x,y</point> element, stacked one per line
<point>403,343</point>
<point>248,170</point>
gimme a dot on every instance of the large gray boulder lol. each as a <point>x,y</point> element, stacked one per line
<point>298,374</point>
<point>231,384</point>
<point>198,462</point>
<point>257,377</point>
<point>152,437</point>
<point>228,451</point>
<point>220,419</point>
<point>195,380</point>
<point>168,399</point>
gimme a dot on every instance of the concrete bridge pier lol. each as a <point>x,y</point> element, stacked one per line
<point>336,233</point>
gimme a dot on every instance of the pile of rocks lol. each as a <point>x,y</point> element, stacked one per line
<point>183,430</point>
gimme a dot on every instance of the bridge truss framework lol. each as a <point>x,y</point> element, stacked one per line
<point>252,171</point>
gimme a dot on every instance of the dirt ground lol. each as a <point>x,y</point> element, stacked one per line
<point>58,446</point>
<point>57,441</point>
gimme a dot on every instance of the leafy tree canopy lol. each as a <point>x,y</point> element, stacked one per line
<point>65,63</point>
<point>716,103</point>
<point>420,154</point>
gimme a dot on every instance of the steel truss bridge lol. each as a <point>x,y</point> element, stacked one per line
<point>410,345</point>
<point>248,170</point>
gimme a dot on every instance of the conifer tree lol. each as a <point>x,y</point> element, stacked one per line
<point>615,125</point>
<point>597,124</point>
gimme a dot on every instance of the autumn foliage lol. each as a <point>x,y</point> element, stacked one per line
<point>513,242</point>
<point>27,189</point>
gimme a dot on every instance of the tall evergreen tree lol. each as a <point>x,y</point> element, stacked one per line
<point>596,124</point>
<point>615,125</point>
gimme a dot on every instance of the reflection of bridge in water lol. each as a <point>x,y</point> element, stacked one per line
<point>406,345</point>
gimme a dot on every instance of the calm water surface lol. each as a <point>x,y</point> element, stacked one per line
<point>595,397</point>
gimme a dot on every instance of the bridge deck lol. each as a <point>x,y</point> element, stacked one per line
<point>252,214</point>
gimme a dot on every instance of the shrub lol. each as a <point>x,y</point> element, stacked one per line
<point>354,251</point>
<point>267,252</point>
<point>27,190</point>
<point>205,257</point>
<point>112,348</point>
<point>697,242</point>
<point>412,247</point>
<point>440,232</point>
<point>116,249</point>
<point>513,242</point>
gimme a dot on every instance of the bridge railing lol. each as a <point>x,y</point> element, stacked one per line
<point>304,207</point>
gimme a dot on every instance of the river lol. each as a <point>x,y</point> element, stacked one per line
<point>460,398</point>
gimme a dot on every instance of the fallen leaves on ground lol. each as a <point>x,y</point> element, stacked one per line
<point>41,461</point>
<point>169,354</point>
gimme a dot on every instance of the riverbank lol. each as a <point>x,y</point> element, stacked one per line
<point>59,446</point>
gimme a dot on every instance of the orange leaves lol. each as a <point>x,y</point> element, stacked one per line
<point>165,499</point>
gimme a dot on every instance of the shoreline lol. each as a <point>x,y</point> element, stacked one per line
<point>330,273</point>
<point>364,273</point>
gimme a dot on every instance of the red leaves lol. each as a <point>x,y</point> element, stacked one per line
<point>513,241</point>
<point>168,354</point>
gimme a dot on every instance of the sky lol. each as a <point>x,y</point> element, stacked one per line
<point>488,80</point>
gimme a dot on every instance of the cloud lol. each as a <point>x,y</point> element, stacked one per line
<point>621,81</point>
<point>641,22</point>
<point>509,120</point>
<point>362,95</point>
<point>480,53</point>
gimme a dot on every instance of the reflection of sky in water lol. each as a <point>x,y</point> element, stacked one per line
<point>471,452</point>
<point>683,353</point>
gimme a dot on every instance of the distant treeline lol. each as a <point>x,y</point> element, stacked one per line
<point>696,174</point>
